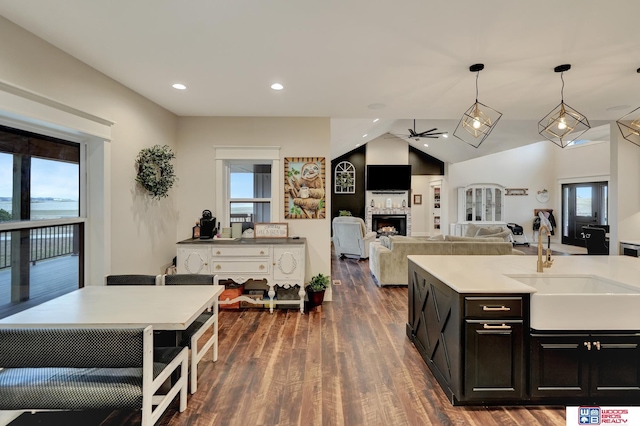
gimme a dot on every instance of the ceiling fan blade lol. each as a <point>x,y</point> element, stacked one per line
<point>428,131</point>
<point>412,133</point>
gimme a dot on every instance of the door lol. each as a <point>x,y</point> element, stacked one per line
<point>582,204</point>
<point>494,359</point>
<point>559,366</point>
<point>434,190</point>
<point>615,370</point>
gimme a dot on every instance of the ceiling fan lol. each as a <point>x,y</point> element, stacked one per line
<point>431,133</point>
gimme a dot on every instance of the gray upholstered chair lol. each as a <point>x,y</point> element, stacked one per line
<point>206,320</point>
<point>132,279</point>
<point>350,237</point>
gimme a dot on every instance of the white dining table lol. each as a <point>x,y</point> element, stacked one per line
<point>163,307</point>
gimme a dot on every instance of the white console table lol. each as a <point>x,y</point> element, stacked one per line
<point>278,261</point>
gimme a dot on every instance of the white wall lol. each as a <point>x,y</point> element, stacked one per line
<point>538,166</point>
<point>387,150</point>
<point>143,232</point>
<point>297,137</point>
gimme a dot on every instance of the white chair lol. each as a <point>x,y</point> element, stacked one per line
<point>350,237</point>
<point>205,321</point>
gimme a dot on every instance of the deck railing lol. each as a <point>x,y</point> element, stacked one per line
<point>45,243</point>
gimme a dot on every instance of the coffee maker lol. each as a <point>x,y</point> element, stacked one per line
<point>207,225</point>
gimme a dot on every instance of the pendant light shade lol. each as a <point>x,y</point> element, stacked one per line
<point>563,124</point>
<point>479,120</point>
<point>629,125</point>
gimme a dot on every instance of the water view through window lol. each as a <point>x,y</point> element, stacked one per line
<point>39,180</point>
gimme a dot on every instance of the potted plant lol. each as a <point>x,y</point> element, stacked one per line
<point>315,289</point>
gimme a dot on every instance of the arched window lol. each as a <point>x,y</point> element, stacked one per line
<point>345,178</point>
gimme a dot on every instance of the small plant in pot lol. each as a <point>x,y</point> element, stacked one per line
<point>316,288</point>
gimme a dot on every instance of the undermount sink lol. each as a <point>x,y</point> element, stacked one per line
<point>581,302</point>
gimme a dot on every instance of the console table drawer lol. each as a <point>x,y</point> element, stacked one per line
<point>241,266</point>
<point>493,307</point>
<point>248,251</point>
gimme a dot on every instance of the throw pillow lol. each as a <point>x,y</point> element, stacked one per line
<point>471,231</point>
<point>385,242</point>
<point>489,230</point>
<point>437,238</point>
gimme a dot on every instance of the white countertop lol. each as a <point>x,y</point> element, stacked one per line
<point>556,306</point>
<point>163,307</point>
<point>488,274</point>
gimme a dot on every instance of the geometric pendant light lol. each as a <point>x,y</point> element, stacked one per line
<point>479,120</point>
<point>563,124</point>
<point>629,125</point>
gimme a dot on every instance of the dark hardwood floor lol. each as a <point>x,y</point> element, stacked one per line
<point>347,362</point>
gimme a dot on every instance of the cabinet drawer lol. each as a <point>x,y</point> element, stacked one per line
<point>241,266</point>
<point>248,251</point>
<point>493,307</point>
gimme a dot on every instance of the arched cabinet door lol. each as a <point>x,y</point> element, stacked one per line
<point>288,263</point>
<point>193,261</point>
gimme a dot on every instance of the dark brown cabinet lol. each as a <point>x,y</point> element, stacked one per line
<point>494,343</point>
<point>473,343</point>
<point>599,366</point>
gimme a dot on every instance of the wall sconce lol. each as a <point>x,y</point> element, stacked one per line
<point>479,120</point>
<point>629,125</point>
<point>563,124</point>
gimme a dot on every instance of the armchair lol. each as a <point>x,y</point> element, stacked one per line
<point>350,237</point>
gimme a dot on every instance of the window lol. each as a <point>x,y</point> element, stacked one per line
<point>250,192</point>
<point>345,178</point>
<point>248,184</point>
<point>41,231</point>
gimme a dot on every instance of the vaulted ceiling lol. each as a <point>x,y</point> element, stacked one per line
<point>358,60</point>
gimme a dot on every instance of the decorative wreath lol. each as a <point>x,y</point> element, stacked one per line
<point>155,171</point>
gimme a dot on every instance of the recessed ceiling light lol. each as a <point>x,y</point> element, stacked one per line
<point>365,135</point>
<point>179,86</point>
<point>376,120</point>
<point>277,86</point>
<point>376,106</point>
<point>426,144</point>
<point>445,136</point>
<point>618,107</point>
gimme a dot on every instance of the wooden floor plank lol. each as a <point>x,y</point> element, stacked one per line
<point>347,362</point>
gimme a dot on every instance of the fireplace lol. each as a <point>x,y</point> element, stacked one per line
<point>389,224</point>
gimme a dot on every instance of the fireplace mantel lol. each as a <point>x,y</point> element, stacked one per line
<point>390,211</point>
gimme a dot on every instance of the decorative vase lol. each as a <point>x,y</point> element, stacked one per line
<point>315,297</point>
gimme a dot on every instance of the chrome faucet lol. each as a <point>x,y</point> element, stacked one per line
<point>546,263</point>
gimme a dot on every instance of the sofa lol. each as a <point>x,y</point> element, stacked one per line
<point>388,256</point>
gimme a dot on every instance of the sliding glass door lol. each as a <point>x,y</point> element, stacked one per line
<point>41,228</point>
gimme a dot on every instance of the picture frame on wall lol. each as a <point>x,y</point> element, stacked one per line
<point>304,188</point>
<point>417,199</point>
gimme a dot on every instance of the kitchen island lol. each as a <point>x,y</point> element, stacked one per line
<point>494,331</point>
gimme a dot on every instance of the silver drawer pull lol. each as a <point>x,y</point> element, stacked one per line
<point>498,327</point>
<point>496,308</point>
<point>261,267</point>
<point>218,266</point>
<point>261,252</point>
<point>218,252</point>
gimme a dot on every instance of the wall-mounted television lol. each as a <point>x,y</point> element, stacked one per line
<point>388,177</point>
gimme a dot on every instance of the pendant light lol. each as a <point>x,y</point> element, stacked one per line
<point>479,120</point>
<point>563,124</point>
<point>629,125</point>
